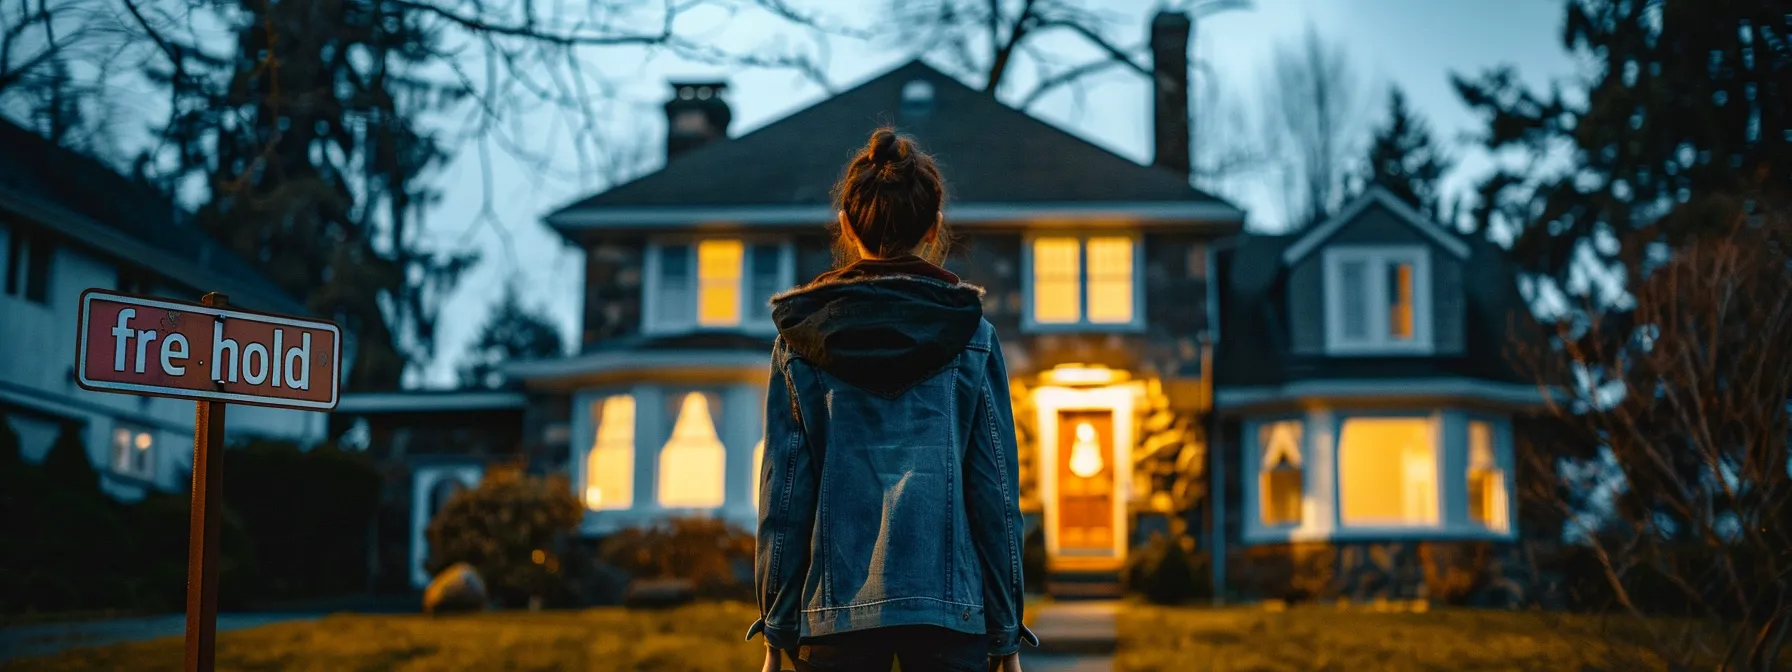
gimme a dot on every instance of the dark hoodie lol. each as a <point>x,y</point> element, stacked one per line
<point>882,325</point>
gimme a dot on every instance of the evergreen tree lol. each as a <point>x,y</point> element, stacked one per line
<point>512,332</point>
<point>1689,106</point>
<point>68,465</point>
<point>1405,160</point>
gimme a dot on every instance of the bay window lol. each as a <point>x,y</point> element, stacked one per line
<point>691,465</point>
<point>1387,472</point>
<point>1280,489</point>
<point>610,466</point>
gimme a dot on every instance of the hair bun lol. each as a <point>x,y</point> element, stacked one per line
<point>887,147</point>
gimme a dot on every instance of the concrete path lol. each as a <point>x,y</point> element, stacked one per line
<point>27,641</point>
<point>1073,637</point>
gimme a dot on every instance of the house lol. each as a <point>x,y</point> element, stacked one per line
<point>68,223</point>
<point>1145,337</point>
<point>1363,401</point>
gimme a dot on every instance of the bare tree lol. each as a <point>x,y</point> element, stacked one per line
<point>1313,97</point>
<point>1687,394</point>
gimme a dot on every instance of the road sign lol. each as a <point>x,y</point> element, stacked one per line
<point>212,355</point>
<point>144,346</point>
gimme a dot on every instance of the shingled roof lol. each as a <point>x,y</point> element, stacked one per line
<point>86,202</point>
<point>991,154</point>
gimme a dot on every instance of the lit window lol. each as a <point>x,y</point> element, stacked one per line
<point>1378,300</point>
<point>133,451</point>
<point>1077,281</point>
<point>1057,263</point>
<point>758,463</point>
<point>691,473</point>
<point>1280,479</point>
<point>718,282</point>
<point>1110,280</point>
<point>1487,504</point>
<point>713,284</point>
<point>610,467</point>
<point>1387,472</point>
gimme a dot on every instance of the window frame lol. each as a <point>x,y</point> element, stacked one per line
<point>655,322</point>
<point>1083,324</point>
<point>1378,258</point>
<point>115,461</point>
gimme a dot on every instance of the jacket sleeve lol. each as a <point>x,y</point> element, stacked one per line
<point>787,500</point>
<point>992,493</point>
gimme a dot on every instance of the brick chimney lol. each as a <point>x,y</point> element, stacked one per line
<point>1169,91</point>
<point>695,115</point>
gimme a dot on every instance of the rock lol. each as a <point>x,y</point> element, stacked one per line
<point>457,589</point>
<point>659,593</point>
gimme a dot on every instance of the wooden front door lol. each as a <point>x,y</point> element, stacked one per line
<point>1085,482</point>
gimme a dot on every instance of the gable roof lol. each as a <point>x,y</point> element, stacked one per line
<point>125,221</point>
<point>1376,195</point>
<point>999,162</point>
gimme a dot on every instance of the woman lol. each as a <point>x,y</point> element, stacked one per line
<point>889,521</point>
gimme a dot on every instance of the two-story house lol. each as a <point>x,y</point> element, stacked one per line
<point>68,223</point>
<point>1339,385</point>
<point>1363,398</point>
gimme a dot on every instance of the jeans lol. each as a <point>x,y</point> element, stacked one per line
<point>921,648</point>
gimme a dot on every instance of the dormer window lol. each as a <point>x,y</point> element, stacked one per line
<point>713,283</point>
<point>1378,300</point>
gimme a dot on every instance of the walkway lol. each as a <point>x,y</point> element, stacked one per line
<point>26,641</point>
<point>1073,637</point>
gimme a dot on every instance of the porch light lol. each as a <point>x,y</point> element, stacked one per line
<point>1081,374</point>
<point>1085,454</point>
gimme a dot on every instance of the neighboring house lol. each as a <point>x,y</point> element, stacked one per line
<point>1362,391</point>
<point>1104,281</point>
<point>68,223</point>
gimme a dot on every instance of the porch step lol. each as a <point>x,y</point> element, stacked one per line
<point>1072,585</point>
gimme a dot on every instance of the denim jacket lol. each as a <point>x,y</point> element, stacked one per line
<point>889,490</point>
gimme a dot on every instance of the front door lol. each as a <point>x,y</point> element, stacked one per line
<point>1085,482</point>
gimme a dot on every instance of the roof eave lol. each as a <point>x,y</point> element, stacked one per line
<point>1223,216</point>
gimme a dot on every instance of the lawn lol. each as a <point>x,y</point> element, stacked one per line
<point>707,637</point>
<point>1309,638</point>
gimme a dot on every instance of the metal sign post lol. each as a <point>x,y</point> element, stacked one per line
<point>214,356</point>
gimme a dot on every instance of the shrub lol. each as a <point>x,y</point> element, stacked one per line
<point>510,529</point>
<point>715,556</point>
<point>306,513</point>
<point>1167,571</point>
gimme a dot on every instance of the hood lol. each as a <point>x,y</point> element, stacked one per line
<point>881,325</point>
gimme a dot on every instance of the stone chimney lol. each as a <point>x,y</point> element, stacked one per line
<point>1169,91</point>
<point>695,115</point>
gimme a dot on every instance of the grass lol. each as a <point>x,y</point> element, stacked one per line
<point>701,638</point>
<point>1329,638</point>
<point>708,637</point>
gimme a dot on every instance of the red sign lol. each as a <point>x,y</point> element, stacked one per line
<point>155,347</point>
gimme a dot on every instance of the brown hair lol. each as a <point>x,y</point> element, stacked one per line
<point>892,194</point>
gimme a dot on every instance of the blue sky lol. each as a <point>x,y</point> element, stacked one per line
<point>1414,44</point>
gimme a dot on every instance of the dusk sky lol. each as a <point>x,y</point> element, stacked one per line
<point>1414,44</point>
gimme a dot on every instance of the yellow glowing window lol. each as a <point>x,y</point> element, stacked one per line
<point>1400,308</point>
<point>1487,503</point>
<point>691,472</point>
<point>758,463</point>
<point>610,467</point>
<point>1280,481</point>
<point>1110,280</point>
<point>1387,472</point>
<point>1057,286</point>
<point>718,282</point>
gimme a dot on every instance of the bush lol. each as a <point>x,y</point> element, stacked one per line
<point>1168,571</point>
<point>306,513</point>
<point>510,529</point>
<point>716,557</point>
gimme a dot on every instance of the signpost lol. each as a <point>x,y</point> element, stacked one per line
<point>214,356</point>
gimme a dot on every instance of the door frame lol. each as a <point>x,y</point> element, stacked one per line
<point>1121,400</point>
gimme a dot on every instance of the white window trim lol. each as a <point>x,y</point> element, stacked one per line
<point>112,456</point>
<point>653,323</point>
<point>1137,324</point>
<point>1378,343</point>
<point>1323,520</point>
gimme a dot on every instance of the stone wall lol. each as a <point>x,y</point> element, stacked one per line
<point>613,273</point>
<point>1445,572</point>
